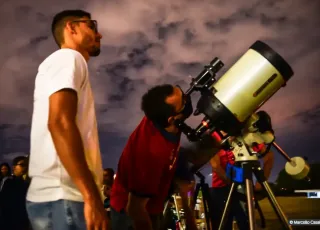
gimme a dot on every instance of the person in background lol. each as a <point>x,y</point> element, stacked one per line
<point>65,160</point>
<point>221,185</point>
<point>108,178</point>
<point>148,162</point>
<point>5,172</point>
<point>108,175</point>
<point>12,197</point>
<point>4,175</point>
<point>107,192</point>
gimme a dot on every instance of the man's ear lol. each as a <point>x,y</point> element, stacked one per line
<point>71,28</point>
<point>171,120</point>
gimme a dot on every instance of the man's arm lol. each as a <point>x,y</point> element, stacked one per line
<point>216,166</point>
<point>136,209</point>
<point>68,142</point>
<point>268,161</point>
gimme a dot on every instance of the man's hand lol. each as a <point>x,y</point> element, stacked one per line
<point>217,168</point>
<point>95,215</point>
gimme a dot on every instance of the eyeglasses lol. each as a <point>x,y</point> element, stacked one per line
<point>184,99</point>
<point>92,24</point>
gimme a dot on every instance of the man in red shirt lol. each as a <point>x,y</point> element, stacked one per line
<point>221,187</point>
<point>148,162</point>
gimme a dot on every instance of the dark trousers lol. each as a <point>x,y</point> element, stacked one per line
<point>219,198</point>
<point>121,221</point>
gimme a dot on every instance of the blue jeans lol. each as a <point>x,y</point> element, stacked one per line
<point>56,215</point>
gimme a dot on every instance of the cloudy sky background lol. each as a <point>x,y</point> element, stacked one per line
<point>148,42</point>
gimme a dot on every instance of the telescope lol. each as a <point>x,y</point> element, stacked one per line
<point>230,105</point>
<point>227,104</point>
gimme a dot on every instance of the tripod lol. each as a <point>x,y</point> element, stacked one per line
<point>206,200</point>
<point>248,168</point>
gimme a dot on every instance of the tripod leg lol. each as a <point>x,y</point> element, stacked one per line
<point>258,172</point>
<point>226,208</point>
<point>276,206</point>
<point>177,210</point>
<point>165,207</point>
<point>263,220</point>
<point>195,196</point>
<point>206,204</point>
<point>249,191</point>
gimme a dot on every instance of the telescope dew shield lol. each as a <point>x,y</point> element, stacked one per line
<point>252,80</point>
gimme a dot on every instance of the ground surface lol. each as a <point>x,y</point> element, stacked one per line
<point>294,208</point>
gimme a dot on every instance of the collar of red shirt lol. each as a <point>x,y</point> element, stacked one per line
<point>175,138</point>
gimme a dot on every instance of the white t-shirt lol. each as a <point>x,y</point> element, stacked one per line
<point>65,68</point>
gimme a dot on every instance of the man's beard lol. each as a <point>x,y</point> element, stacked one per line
<point>94,52</point>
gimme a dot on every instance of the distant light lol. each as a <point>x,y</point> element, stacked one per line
<point>114,177</point>
<point>210,174</point>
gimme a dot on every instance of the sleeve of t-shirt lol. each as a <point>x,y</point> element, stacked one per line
<point>67,71</point>
<point>145,174</point>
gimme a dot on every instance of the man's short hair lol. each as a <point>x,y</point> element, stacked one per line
<point>110,171</point>
<point>60,20</point>
<point>154,104</point>
<point>24,159</point>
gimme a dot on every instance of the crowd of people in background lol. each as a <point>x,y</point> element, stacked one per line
<point>14,183</point>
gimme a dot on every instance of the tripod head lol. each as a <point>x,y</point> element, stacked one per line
<point>257,132</point>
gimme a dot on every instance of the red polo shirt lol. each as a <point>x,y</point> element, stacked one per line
<point>146,167</point>
<point>225,158</point>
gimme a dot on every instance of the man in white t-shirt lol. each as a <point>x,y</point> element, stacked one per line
<point>65,162</point>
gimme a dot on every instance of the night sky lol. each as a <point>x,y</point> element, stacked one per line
<point>148,42</point>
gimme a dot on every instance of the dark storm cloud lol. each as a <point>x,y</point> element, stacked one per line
<point>111,144</point>
<point>148,42</point>
<point>309,117</point>
<point>36,40</point>
<point>193,69</point>
<point>14,140</point>
<point>165,31</point>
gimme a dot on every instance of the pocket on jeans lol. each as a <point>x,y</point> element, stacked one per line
<point>40,214</point>
<point>74,213</point>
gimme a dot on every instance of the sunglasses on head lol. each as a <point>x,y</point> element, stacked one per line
<point>92,24</point>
